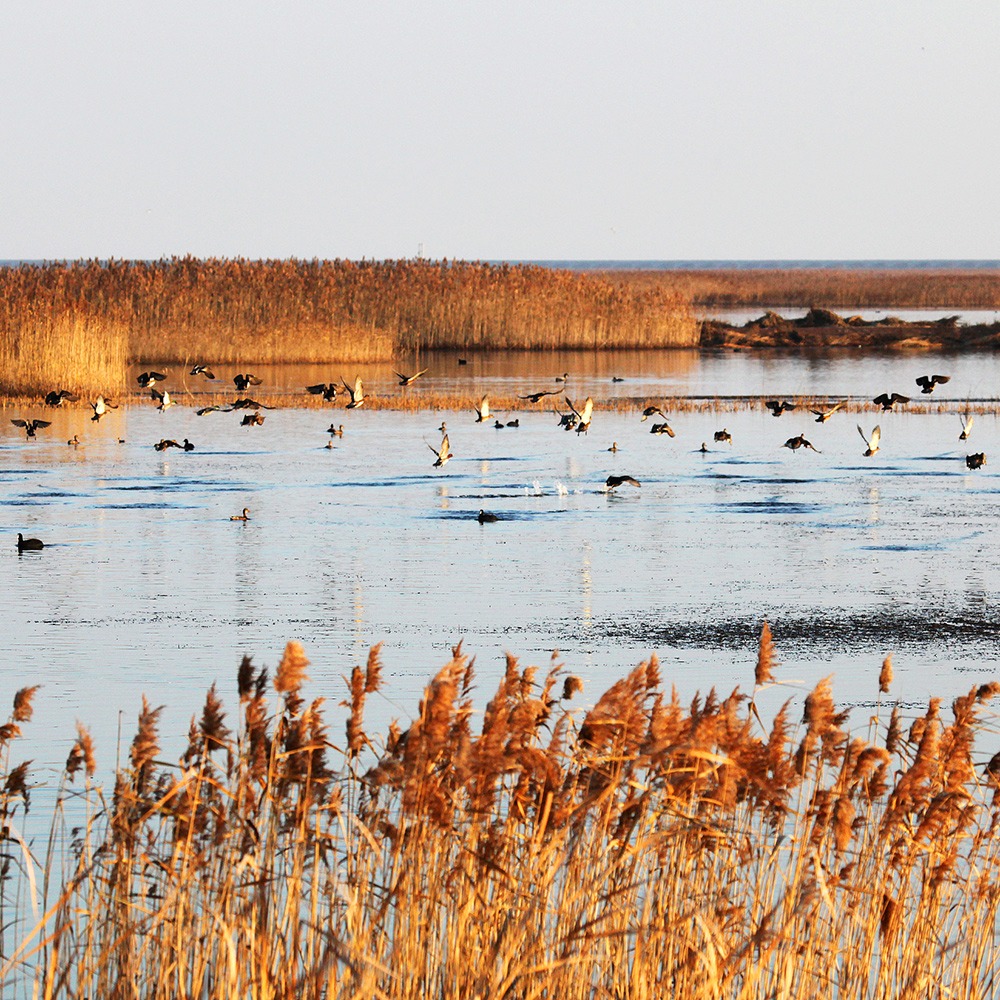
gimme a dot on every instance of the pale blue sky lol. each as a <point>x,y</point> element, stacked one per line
<point>543,130</point>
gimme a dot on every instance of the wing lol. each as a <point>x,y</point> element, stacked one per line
<point>864,436</point>
<point>588,411</point>
<point>20,423</point>
<point>773,405</point>
<point>42,423</point>
<point>569,403</point>
<point>156,394</point>
<point>316,389</point>
<point>941,379</point>
<point>925,380</point>
<point>357,387</point>
<point>896,398</point>
<point>881,400</point>
<point>253,380</point>
<point>876,437</point>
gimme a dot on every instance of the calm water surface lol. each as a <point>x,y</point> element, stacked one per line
<point>146,586</point>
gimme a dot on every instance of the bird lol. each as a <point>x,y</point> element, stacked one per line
<point>928,382</point>
<point>887,401</point>
<point>249,404</point>
<point>243,382</point>
<point>704,448</point>
<point>28,544</point>
<point>613,482</point>
<point>245,516</point>
<point>778,407</point>
<point>663,428</point>
<point>187,446</point>
<point>30,426</point>
<point>74,441</point>
<point>822,416</point>
<point>408,379</point>
<point>443,453</point>
<point>212,409</point>
<point>799,442</point>
<point>563,378</point>
<point>484,518</point>
<point>653,411</point>
<point>164,443</point>
<point>328,390</point>
<point>57,396</point>
<point>336,431</point>
<point>614,447</point>
<point>566,420</point>
<point>724,435</point>
<point>871,442</point>
<point>146,379</point>
<point>255,419</point>
<point>976,461</point>
<point>617,378</point>
<point>534,397</point>
<point>483,410</point>
<point>966,419</point>
<point>357,393</point>
<point>163,400</point>
<point>202,370</point>
<point>499,425</point>
<point>101,407</point>
<point>514,423</point>
<point>583,416</point>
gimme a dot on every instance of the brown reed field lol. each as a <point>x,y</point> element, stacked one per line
<point>638,848</point>
<point>254,312</point>
<point>833,288</point>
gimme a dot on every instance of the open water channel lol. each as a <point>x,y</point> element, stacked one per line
<point>145,585</point>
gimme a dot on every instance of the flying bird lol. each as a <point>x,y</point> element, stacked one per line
<point>357,393</point>
<point>534,397</point>
<point>483,410</point>
<point>255,419</point>
<point>409,379</point>
<point>778,407</point>
<point>871,442</point>
<point>822,416</point>
<point>30,426</point>
<point>56,397</point>
<point>976,461</point>
<point>146,379</point>
<point>248,404</point>
<point>724,435</point>
<point>966,419</point>
<point>443,453</point>
<point>799,442</point>
<point>927,383</point>
<point>887,401</point>
<point>653,411</point>
<point>328,390</point>
<point>243,382</point>
<point>613,482</point>
<point>663,428</point>
<point>202,370</point>
<point>163,400</point>
<point>101,407</point>
<point>583,416</point>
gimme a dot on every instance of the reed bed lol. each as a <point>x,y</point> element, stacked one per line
<point>832,288</point>
<point>256,312</point>
<point>638,848</point>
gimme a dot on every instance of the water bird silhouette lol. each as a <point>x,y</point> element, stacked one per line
<point>255,419</point>
<point>28,544</point>
<point>443,453</point>
<point>57,396</point>
<point>534,397</point>
<point>245,516</point>
<point>212,409</point>
<point>101,407</point>
<point>653,411</point>
<point>484,518</point>
<point>614,447</point>
<point>74,441</point>
<point>30,426</point>
<point>887,401</point>
<point>777,407</point>
<point>583,416</point>
<point>483,410</point>
<point>928,383</point>
<point>163,400</point>
<point>146,379</point>
<point>966,420</point>
<point>613,482</point>
<point>799,442</point>
<point>976,461</point>
<point>822,416</point>
<point>328,390</point>
<point>563,378</point>
<point>336,431</point>
<point>409,379</point>
<point>249,404</point>
<point>872,440</point>
<point>243,382</point>
<point>357,393</point>
<point>202,370</point>
<point>663,428</point>
<point>187,446</point>
<point>723,436</point>
<point>164,443</point>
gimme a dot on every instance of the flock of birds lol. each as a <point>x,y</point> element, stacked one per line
<point>577,419</point>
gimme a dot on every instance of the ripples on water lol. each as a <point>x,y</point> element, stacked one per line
<point>145,585</point>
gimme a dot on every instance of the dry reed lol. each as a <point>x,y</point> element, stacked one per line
<point>638,848</point>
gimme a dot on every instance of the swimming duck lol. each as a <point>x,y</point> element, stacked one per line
<point>799,442</point>
<point>57,397</point>
<point>243,382</point>
<point>101,407</point>
<point>966,426</point>
<point>30,426</point>
<point>484,518</point>
<point>563,378</point>
<point>498,425</point>
<point>724,435</point>
<point>443,453</point>
<point>927,383</point>
<point>357,393</point>
<point>187,446</point>
<point>163,400</point>
<point>336,431</point>
<point>871,442</point>
<point>887,401</point>
<point>409,379</point>
<point>822,416</point>
<point>976,461</point>
<point>146,379</point>
<point>28,544</point>
<point>704,448</point>
<point>245,516</point>
<point>74,441</point>
<point>777,407</point>
<point>328,390</point>
<point>514,423</point>
<point>614,448</point>
<point>483,410</point>
<point>613,482</point>
<point>202,370</point>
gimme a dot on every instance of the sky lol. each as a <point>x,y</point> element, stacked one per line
<point>646,130</point>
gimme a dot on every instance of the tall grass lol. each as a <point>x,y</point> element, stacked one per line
<point>832,288</point>
<point>255,312</point>
<point>640,848</point>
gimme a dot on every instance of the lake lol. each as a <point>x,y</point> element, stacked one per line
<point>146,586</point>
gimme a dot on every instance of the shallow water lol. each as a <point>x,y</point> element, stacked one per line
<point>146,586</point>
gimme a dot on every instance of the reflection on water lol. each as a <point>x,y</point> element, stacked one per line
<point>145,585</point>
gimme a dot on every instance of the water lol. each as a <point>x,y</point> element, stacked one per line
<point>146,586</point>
